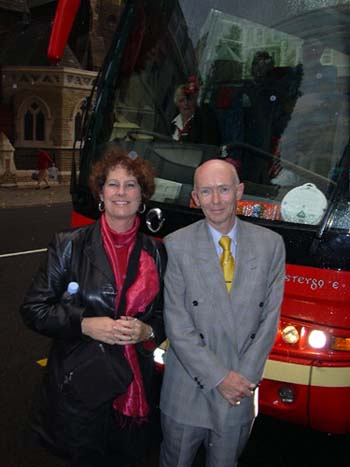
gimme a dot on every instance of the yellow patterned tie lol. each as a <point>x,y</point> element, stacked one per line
<point>227,261</point>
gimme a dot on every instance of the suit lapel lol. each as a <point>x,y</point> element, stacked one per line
<point>209,269</point>
<point>207,259</point>
<point>246,261</point>
<point>208,266</point>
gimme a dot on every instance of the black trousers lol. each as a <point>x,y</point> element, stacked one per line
<point>112,442</point>
<point>93,438</point>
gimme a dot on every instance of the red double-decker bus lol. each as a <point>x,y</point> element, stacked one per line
<point>275,77</point>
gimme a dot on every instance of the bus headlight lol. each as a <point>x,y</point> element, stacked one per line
<point>290,335</point>
<point>317,339</point>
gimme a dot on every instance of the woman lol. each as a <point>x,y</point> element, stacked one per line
<point>193,124</point>
<point>101,259</point>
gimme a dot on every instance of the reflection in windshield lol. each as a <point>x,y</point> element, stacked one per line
<point>276,80</point>
<point>320,112</point>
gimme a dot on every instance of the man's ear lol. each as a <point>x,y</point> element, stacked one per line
<point>239,191</point>
<point>195,199</point>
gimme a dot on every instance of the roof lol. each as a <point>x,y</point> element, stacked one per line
<point>35,3</point>
<point>23,6</point>
<point>14,5</point>
<point>15,50</point>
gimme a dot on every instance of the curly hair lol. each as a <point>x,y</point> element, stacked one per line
<point>113,156</point>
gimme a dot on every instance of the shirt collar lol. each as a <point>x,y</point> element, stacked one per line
<point>178,121</point>
<point>216,235</point>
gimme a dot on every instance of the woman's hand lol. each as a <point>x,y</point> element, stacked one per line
<point>125,330</point>
<point>100,328</point>
<point>135,330</point>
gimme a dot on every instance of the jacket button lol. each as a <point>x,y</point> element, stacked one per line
<point>261,304</point>
<point>195,303</point>
<point>252,335</point>
<point>201,336</point>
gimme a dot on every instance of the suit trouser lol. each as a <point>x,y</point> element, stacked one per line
<point>181,443</point>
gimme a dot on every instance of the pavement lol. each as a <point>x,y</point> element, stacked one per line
<point>26,195</point>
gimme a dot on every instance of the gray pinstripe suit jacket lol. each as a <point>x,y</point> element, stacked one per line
<point>211,331</point>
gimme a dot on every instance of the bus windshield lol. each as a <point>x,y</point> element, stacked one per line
<point>263,84</point>
<point>266,87</point>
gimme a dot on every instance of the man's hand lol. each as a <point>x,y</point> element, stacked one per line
<point>235,387</point>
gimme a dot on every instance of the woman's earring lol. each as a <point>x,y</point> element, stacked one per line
<point>101,206</point>
<point>142,208</point>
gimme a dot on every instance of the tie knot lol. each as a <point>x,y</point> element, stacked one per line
<point>225,243</point>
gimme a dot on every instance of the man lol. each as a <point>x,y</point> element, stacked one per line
<point>219,339</point>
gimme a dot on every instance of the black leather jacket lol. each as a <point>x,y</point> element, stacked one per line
<point>78,255</point>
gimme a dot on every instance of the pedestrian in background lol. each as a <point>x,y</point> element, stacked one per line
<point>223,291</point>
<point>44,161</point>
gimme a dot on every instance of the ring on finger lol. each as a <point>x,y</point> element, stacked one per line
<point>237,402</point>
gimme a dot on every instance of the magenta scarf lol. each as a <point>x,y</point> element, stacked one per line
<point>118,246</point>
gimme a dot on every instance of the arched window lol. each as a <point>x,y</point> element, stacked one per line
<point>78,120</point>
<point>28,125</point>
<point>34,123</point>
<point>77,125</point>
<point>40,126</point>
